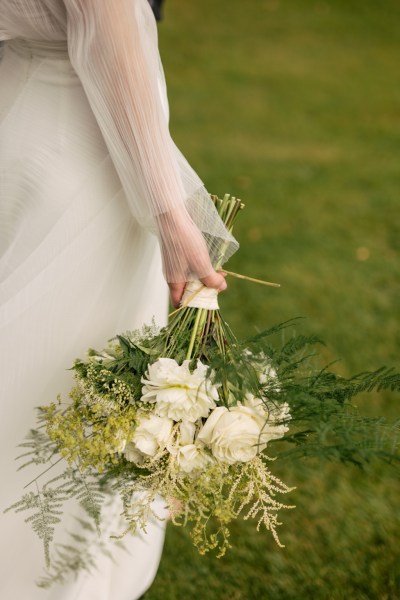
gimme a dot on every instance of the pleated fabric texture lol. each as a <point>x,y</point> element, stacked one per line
<point>113,48</point>
<point>88,172</point>
<point>76,269</point>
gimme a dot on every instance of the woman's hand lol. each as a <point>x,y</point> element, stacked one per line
<point>185,255</point>
<point>215,280</point>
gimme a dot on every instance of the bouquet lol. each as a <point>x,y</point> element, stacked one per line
<point>189,413</point>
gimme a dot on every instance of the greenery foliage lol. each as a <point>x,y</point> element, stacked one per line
<point>316,150</point>
<point>87,433</point>
<point>293,103</point>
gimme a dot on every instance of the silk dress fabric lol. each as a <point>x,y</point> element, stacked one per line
<point>88,174</point>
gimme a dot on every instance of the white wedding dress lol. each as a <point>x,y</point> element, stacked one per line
<point>88,173</point>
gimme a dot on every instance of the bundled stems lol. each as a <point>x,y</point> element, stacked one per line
<point>203,322</point>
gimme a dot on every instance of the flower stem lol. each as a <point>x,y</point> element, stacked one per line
<point>194,333</point>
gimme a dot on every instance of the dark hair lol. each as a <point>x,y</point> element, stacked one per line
<point>156,6</point>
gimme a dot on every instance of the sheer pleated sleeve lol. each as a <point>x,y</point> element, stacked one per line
<point>114,49</point>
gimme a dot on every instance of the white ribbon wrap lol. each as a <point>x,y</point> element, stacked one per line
<point>199,296</point>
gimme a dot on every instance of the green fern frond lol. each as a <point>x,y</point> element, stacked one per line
<point>47,504</point>
<point>81,554</point>
<point>87,493</point>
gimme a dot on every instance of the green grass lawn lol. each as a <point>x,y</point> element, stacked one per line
<point>293,105</point>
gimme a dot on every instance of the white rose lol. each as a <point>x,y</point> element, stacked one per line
<point>133,454</point>
<point>186,433</point>
<point>272,418</point>
<point>238,434</point>
<point>150,435</point>
<point>265,371</point>
<point>256,404</point>
<point>233,435</point>
<point>178,393</point>
<point>191,457</point>
<point>276,426</point>
<point>268,374</point>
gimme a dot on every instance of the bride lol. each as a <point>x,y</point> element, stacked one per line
<point>98,210</point>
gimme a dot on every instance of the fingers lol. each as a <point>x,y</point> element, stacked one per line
<point>216,281</point>
<point>176,293</point>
